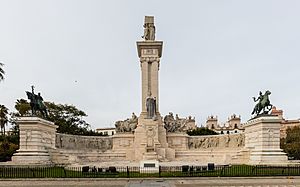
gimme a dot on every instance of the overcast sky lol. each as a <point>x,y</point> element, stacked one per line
<point>217,55</point>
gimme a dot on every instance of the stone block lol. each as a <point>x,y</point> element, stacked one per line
<point>262,138</point>
<point>149,166</point>
<point>37,136</point>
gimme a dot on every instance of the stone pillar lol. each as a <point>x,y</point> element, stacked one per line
<point>150,139</point>
<point>262,138</point>
<point>36,137</point>
<point>149,53</point>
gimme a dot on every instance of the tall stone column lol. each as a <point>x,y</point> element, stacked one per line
<point>150,142</point>
<point>149,53</point>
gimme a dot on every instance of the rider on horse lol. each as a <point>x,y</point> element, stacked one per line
<point>263,103</point>
<point>36,103</point>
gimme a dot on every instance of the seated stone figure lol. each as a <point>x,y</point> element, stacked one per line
<point>178,124</point>
<point>127,125</point>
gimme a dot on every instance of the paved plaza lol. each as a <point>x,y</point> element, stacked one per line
<point>159,182</point>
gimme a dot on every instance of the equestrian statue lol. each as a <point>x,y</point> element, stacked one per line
<point>36,103</point>
<point>263,106</point>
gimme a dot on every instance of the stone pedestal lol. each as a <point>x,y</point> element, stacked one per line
<point>262,138</point>
<point>178,141</point>
<point>149,166</point>
<point>36,137</point>
<point>150,141</point>
<point>124,143</point>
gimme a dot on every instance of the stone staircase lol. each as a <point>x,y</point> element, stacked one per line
<point>150,154</point>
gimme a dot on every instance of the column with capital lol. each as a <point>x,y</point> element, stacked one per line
<point>149,53</point>
<point>150,135</point>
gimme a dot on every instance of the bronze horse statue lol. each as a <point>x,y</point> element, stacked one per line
<point>36,104</point>
<point>263,104</point>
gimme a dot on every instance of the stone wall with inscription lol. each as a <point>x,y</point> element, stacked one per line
<point>77,142</point>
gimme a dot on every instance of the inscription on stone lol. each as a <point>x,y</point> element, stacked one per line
<point>149,52</point>
<point>149,165</point>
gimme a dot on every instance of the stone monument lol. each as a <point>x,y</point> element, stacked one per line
<point>37,136</point>
<point>262,134</point>
<point>150,140</point>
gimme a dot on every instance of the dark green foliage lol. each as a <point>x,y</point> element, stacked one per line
<point>291,144</point>
<point>23,107</point>
<point>201,131</point>
<point>68,118</point>
<point>7,149</point>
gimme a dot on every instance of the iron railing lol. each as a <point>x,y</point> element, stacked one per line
<point>136,172</point>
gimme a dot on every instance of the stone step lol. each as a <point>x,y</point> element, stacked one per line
<point>150,156</point>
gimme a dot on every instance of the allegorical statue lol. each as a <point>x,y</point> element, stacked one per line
<point>151,106</point>
<point>36,103</point>
<point>149,28</point>
<point>263,106</point>
<point>127,125</point>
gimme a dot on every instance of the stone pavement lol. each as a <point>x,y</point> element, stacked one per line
<point>157,182</point>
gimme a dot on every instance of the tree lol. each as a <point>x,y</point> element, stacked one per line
<point>2,72</point>
<point>23,107</point>
<point>68,118</point>
<point>201,131</point>
<point>291,144</point>
<point>3,118</point>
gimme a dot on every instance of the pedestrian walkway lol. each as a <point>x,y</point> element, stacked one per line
<point>159,182</point>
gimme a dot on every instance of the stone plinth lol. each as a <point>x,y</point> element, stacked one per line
<point>36,137</point>
<point>124,142</point>
<point>149,166</point>
<point>178,141</point>
<point>262,138</point>
<point>150,142</point>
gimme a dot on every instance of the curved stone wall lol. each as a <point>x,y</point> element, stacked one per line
<point>216,141</point>
<point>77,142</point>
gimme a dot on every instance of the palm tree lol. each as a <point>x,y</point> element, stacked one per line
<point>3,118</point>
<point>2,72</point>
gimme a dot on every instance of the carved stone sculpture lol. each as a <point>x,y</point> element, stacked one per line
<point>216,141</point>
<point>127,125</point>
<point>178,124</point>
<point>149,28</point>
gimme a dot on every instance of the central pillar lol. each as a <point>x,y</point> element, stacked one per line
<point>150,135</point>
<point>149,53</point>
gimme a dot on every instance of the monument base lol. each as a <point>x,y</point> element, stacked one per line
<point>263,140</point>
<point>150,142</point>
<point>268,157</point>
<point>149,166</point>
<point>31,157</point>
<point>36,137</point>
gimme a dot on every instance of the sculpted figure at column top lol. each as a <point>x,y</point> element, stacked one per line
<point>149,28</point>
